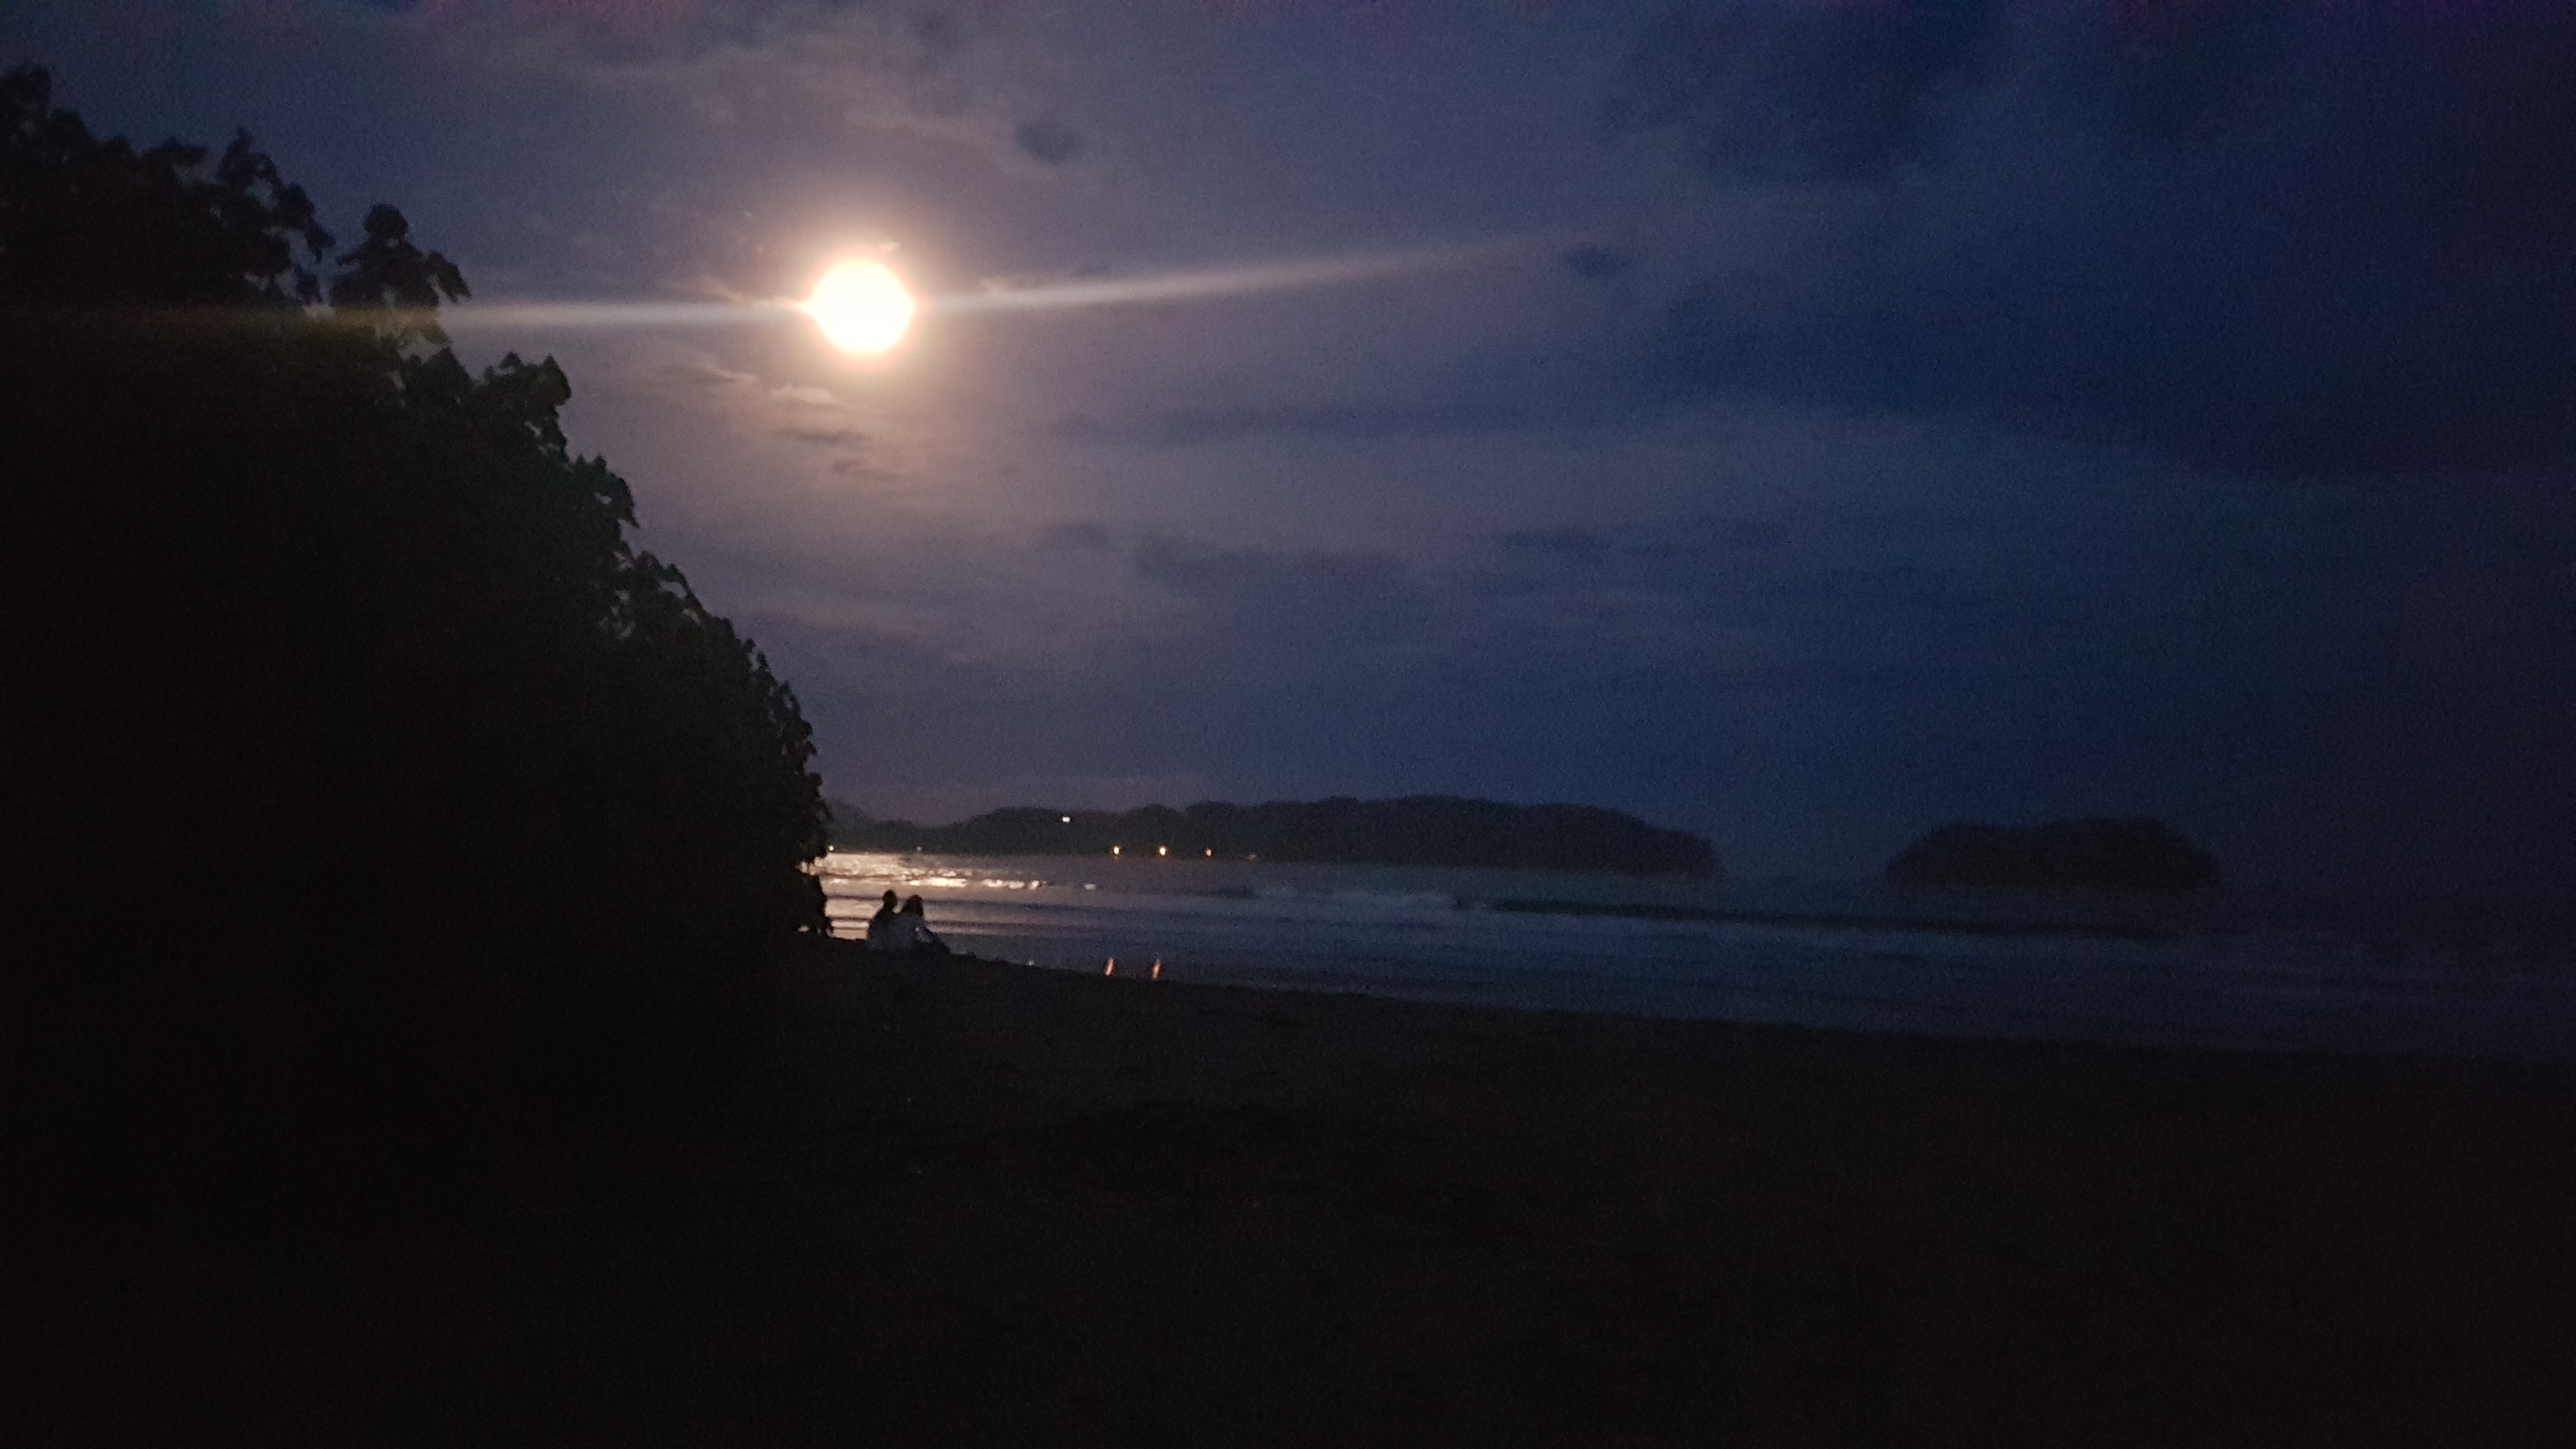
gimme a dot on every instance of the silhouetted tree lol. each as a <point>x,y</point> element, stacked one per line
<point>464,812</point>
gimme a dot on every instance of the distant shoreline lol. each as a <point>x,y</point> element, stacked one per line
<point>1438,831</point>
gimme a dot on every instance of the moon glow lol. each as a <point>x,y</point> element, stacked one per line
<point>861,307</point>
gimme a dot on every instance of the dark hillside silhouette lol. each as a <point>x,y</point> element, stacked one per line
<point>1430,830</point>
<point>2143,855</point>
<point>468,819</point>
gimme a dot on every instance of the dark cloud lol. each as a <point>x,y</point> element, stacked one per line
<point>1050,143</point>
<point>2295,244</point>
<point>2172,72</point>
<point>1567,541</point>
<point>1314,583</point>
<point>1597,263</point>
<point>938,33</point>
<point>824,437</point>
<point>1808,90</point>
<point>696,377</point>
<point>1090,537</point>
<point>1491,406</point>
<point>1341,625</point>
<point>2238,233</point>
<point>1757,533</point>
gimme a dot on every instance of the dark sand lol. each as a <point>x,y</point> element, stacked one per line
<point>988,1204</point>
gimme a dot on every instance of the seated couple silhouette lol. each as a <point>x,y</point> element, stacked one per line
<point>903,930</point>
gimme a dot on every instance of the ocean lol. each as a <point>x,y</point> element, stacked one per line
<point>2228,970</point>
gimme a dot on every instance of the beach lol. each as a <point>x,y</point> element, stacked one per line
<point>969,1202</point>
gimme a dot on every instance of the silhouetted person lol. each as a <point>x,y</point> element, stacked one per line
<point>884,925</point>
<point>918,936</point>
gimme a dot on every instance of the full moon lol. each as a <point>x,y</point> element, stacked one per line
<point>861,307</point>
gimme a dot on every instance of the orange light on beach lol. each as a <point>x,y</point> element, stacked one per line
<point>1162,850</point>
<point>1111,969</point>
<point>1158,972</point>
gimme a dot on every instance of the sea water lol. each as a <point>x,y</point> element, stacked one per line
<point>2222,971</point>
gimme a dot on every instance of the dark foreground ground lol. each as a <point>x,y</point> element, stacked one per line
<point>984,1204</point>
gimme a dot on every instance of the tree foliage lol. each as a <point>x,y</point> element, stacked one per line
<point>466,813</point>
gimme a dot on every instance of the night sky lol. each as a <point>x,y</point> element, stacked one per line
<point>1803,422</point>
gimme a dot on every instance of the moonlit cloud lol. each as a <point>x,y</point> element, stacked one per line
<point>1207,283</point>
